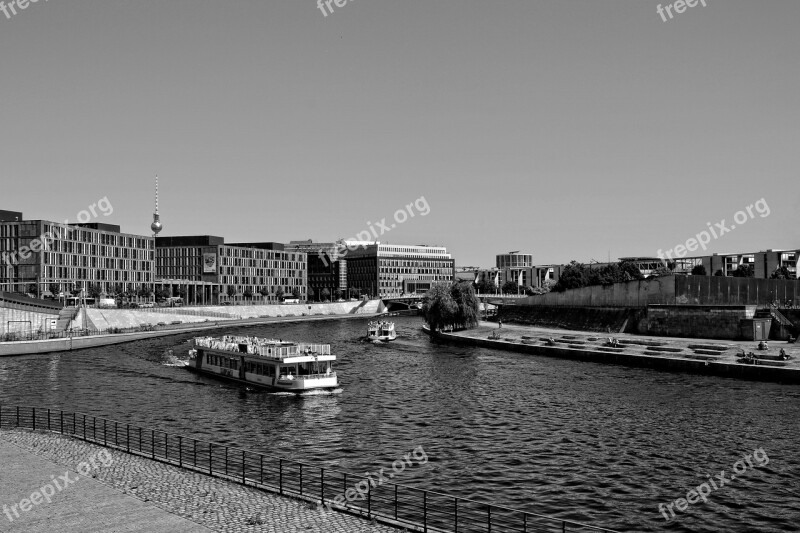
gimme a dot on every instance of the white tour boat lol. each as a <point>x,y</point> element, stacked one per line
<point>381,331</point>
<point>268,363</point>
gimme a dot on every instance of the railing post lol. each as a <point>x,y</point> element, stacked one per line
<point>425,511</point>
<point>261,469</point>
<point>166,446</point>
<point>128,437</point>
<point>141,450</point>
<point>34,419</point>
<point>564,526</point>
<point>180,451</point>
<point>226,460</point>
<point>301,479</point>
<point>153,443</point>
<point>48,419</point>
<point>210,459</point>
<point>75,426</point>
<point>18,416</point>
<point>489,516</point>
<point>395,502</point>
<point>280,476</point>
<point>61,417</point>
<point>194,452</point>
<point>105,433</point>
<point>455,514</point>
<point>116,439</point>
<point>369,500</point>
<point>1,416</point>
<point>322,485</point>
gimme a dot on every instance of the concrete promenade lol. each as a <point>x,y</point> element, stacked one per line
<point>124,492</point>
<point>77,343</point>
<point>701,356</point>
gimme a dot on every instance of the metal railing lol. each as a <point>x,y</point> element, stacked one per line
<point>422,510</point>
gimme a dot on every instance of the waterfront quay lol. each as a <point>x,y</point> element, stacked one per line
<point>106,327</point>
<point>142,463</point>
<point>701,356</point>
<point>126,492</point>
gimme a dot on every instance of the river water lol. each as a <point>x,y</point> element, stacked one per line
<point>594,443</point>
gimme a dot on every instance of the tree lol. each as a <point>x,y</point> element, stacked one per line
<point>33,288</point>
<point>661,272</point>
<point>699,270</point>
<point>94,290</point>
<point>248,293</point>
<point>145,291</point>
<point>467,304</point>
<point>354,293</point>
<point>279,293</point>
<point>162,293</point>
<point>546,287</point>
<point>231,291</point>
<point>509,287</point>
<point>486,286</point>
<point>55,289</point>
<point>325,295</point>
<point>263,291</point>
<point>310,294</point>
<point>296,293</point>
<point>574,276</point>
<point>719,273</point>
<point>781,273</point>
<point>337,294</point>
<point>438,306</point>
<point>744,271</point>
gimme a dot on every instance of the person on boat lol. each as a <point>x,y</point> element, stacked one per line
<point>499,324</point>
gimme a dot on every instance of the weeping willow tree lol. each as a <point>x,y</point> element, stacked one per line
<point>451,305</point>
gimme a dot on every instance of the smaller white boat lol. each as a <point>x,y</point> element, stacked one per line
<point>381,331</point>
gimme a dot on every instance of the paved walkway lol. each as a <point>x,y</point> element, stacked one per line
<point>115,491</point>
<point>730,351</point>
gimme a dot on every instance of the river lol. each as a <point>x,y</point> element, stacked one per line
<point>595,443</point>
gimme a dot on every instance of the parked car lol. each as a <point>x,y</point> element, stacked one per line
<point>147,305</point>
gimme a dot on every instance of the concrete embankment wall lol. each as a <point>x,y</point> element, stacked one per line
<point>202,324</point>
<point>675,290</point>
<point>749,372</point>
<point>575,318</point>
<point>19,321</point>
<point>691,321</point>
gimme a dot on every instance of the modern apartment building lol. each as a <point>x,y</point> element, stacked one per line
<point>388,270</point>
<point>327,268</point>
<point>209,270</point>
<point>36,255</point>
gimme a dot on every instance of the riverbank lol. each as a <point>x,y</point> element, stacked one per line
<point>700,356</point>
<point>67,344</point>
<point>126,492</point>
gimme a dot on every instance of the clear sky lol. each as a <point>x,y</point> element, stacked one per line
<point>570,129</point>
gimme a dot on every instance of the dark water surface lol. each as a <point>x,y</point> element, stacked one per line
<point>583,441</point>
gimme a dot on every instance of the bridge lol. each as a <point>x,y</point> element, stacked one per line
<point>403,302</point>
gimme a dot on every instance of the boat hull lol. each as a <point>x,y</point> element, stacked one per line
<point>329,383</point>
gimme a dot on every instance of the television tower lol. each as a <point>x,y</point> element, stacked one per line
<point>156,226</point>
